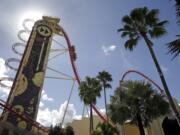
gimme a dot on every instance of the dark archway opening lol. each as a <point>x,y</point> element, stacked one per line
<point>170,126</point>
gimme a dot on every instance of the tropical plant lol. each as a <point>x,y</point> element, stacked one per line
<point>69,131</point>
<point>56,130</point>
<point>105,129</point>
<point>105,79</point>
<point>145,24</point>
<point>174,46</point>
<point>137,102</point>
<point>88,91</point>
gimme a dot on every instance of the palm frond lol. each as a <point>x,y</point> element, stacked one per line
<point>128,30</point>
<point>137,14</point>
<point>162,23</point>
<point>174,48</point>
<point>157,31</point>
<point>145,10</point>
<point>131,43</point>
<point>128,27</point>
<point>177,2</point>
<point>89,90</point>
<point>178,7</point>
<point>125,33</point>
<point>105,78</point>
<point>126,19</point>
<point>151,17</point>
<point>121,29</point>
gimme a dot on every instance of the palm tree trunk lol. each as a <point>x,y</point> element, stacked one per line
<point>171,102</point>
<point>90,125</point>
<point>105,101</point>
<point>140,125</point>
<point>91,120</point>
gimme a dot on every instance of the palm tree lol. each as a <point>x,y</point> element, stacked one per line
<point>174,46</point>
<point>145,24</point>
<point>105,129</point>
<point>56,130</point>
<point>138,102</point>
<point>105,79</point>
<point>88,91</point>
<point>69,131</point>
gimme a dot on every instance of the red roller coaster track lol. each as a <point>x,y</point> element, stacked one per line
<point>76,73</point>
<point>144,76</point>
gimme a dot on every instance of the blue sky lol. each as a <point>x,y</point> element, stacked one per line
<point>92,27</point>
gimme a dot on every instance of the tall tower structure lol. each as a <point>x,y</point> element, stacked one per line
<point>27,87</point>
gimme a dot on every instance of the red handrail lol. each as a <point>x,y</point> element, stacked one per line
<point>26,118</point>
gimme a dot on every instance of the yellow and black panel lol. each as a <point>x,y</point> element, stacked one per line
<point>27,88</point>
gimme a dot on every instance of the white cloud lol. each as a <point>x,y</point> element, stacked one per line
<point>77,117</point>
<point>44,97</point>
<point>47,117</point>
<point>4,93</point>
<point>164,69</point>
<point>41,104</point>
<point>3,69</point>
<point>109,49</point>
